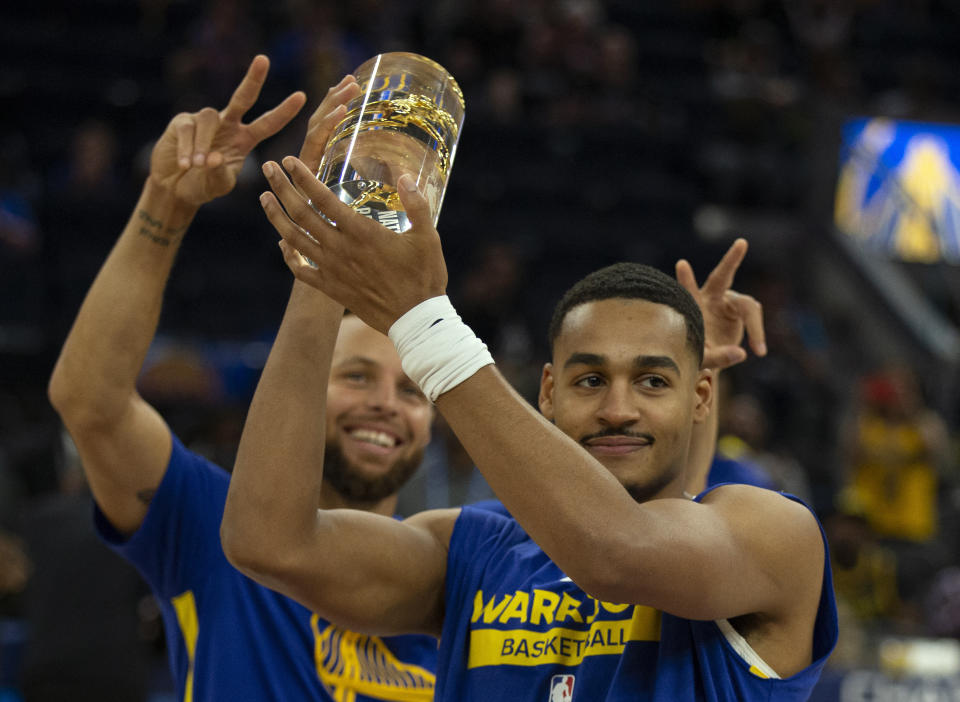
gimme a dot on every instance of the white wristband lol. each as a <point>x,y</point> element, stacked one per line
<point>437,350</point>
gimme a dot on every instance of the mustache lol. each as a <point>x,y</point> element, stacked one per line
<point>617,431</point>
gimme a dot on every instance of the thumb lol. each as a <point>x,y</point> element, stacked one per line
<point>415,204</point>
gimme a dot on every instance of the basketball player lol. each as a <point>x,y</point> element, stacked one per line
<point>611,581</point>
<point>159,505</point>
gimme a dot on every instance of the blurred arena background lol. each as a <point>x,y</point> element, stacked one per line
<point>596,131</point>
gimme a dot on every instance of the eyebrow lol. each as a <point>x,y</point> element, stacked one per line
<point>585,359</point>
<point>357,359</point>
<point>640,362</point>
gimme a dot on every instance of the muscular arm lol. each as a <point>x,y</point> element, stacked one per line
<point>365,571</point>
<point>721,559</point>
<point>123,443</point>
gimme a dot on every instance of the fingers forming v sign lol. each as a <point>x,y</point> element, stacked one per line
<point>727,314</point>
<point>200,154</point>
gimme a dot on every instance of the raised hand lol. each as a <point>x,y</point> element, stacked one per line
<point>200,153</point>
<point>727,314</point>
<point>377,274</point>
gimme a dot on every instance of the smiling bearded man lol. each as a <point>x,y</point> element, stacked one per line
<point>378,421</point>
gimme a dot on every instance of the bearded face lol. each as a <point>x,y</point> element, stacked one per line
<point>378,421</point>
<point>356,485</point>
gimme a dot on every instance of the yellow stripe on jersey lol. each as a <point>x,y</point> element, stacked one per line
<point>186,609</point>
<point>350,664</point>
<point>520,647</point>
<point>759,673</point>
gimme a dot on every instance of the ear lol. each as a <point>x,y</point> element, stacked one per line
<point>545,399</point>
<point>704,391</point>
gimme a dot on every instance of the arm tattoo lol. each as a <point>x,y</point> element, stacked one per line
<point>159,240</point>
<point>150,221</point>
<point>153,229</point>
<point>146,496</point>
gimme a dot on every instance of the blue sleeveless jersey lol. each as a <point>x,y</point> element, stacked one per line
<point>229,638</point>
<point>518,629</point>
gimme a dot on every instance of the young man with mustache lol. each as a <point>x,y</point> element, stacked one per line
<point>612,584</point>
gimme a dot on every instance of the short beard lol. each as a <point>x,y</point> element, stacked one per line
<point>353,486</point>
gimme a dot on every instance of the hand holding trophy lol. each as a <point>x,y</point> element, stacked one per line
<point>407,120</point>
<point>384,172</point>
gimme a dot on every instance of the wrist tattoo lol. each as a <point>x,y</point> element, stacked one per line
<point>156,239</point>
<point>153,229</point>
<point>146,496</point>
<point>150,221</point>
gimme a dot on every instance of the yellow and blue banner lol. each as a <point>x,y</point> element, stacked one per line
<point>898,190</point>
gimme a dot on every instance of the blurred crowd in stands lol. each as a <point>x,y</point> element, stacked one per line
<point>596,130</point>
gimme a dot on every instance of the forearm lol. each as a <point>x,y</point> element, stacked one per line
<point>664,553</point>
<point>96,373</point>
<point>275,488</point>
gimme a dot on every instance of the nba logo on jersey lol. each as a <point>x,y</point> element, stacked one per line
<point>561,688</point>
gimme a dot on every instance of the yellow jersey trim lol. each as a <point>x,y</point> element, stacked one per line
<point>186,608</point>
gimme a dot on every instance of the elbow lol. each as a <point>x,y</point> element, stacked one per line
<point>241,551</point>
<point>78,408</point>
<point>59,392</point>
<point>241,537</point>
<point>246,549</point>
<point>69,402</point>
<point>272,568</point>
<point>252,562</point>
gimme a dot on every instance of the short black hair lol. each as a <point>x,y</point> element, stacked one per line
<point>632,281</point>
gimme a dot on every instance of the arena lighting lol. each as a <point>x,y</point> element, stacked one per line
<point>898,190</point>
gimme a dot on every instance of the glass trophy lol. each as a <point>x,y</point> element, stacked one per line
<point>407,119</point>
